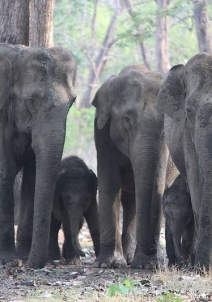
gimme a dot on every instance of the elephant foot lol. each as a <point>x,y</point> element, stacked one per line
<point>73,261</point>
<point>22,254</point>
<point>110,258</point>
<point>37,261</point>
<point>142,261</point>
<point>171,262</point>
<point>54,255</point>
<point>9,259</point>
<point>110,263</point>
<point>129,245</point>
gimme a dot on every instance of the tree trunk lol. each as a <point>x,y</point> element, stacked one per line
<point>97,68</point>
<point>162,58</point>
<point>202,26</point>
<point>128,6</point>
<point>14,21</point>
<point>41,23</point>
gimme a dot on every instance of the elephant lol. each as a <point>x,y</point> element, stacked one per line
<point>185,98</point>
<point>132,158</point>
<point>74,199</point>
<point>37,91</point>
<point>179,223</point>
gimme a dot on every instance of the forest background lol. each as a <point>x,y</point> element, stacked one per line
<point>105,36</point>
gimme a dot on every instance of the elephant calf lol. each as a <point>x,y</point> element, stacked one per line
<point>179,226</point>
<point>74,198</point>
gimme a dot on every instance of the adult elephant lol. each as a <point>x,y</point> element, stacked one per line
<point>186,99</point>
<point>37,90</point>
<point>131,158</point>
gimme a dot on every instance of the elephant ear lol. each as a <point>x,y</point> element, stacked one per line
<point>94,182</point>
<point>5,80</point>
<point>171,97</point>
<point>102,102</point>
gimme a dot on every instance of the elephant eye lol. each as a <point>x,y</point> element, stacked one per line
<point>126,122</point>
<point>31,103</point>
<point>127,119</point>
<point>31,100</point>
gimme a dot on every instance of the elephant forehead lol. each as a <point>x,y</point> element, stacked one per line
<point>198,73</point>
<point>74,185</point>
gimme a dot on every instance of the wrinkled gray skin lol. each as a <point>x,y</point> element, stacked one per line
<point>131,158</point>
<point>35,96</point>
<point>179,222</point>
<point>186,98</point>
<point>74,200</point>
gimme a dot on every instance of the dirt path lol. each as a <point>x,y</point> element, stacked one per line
<point>58,282</point>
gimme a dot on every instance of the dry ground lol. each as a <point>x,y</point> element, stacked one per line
<point>58,282</point>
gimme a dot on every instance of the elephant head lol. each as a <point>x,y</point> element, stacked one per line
<point>186,98</point>
<point>37,91</point>
<point>128,101</point>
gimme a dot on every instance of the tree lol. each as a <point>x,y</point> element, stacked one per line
<point>27,22</point>
<point>41,23</point>
<point>161,48</point>
<point>141,44</point>
<point>14,21</point>
<point>97,64</point>
<point>202,26</point>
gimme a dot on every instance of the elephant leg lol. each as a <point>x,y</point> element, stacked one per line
<point>26,209</point>
<point>129,225</point>
<point>92,219</point>
<point>111,252</point>
<point>54,250</point>
<point>109,185</point>
<point>187,242</point>
<point>69,253</point>
<point>170,251</point>
<point>177,246</point>
<point>7,234</point>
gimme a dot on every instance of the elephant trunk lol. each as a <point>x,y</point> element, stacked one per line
<point>48,147</point>
<point>144,155</point>
<point>75,218</point>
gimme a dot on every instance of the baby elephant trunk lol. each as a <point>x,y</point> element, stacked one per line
<point>76,222</point>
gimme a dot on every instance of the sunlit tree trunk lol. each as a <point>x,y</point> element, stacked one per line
<point>162,57</point>
<point>202,25</point>
<point>41,23</point>
<point>14,21</point>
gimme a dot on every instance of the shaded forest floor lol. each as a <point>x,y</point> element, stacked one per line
<point>58,282</point>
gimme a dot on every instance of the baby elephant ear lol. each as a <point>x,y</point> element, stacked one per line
<point>102,102</point>
<point>94,182</point>
<point>171,97</point>
<point>5,81</point>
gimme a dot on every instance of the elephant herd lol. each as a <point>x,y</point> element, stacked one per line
<point>153,137</point>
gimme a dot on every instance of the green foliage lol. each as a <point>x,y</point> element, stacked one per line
<point>80,135</point>
<point>169,297</point>
<point>125,287</point>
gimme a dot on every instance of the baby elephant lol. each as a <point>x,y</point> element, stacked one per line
<point>179,226</point>
<point>74,200</point>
